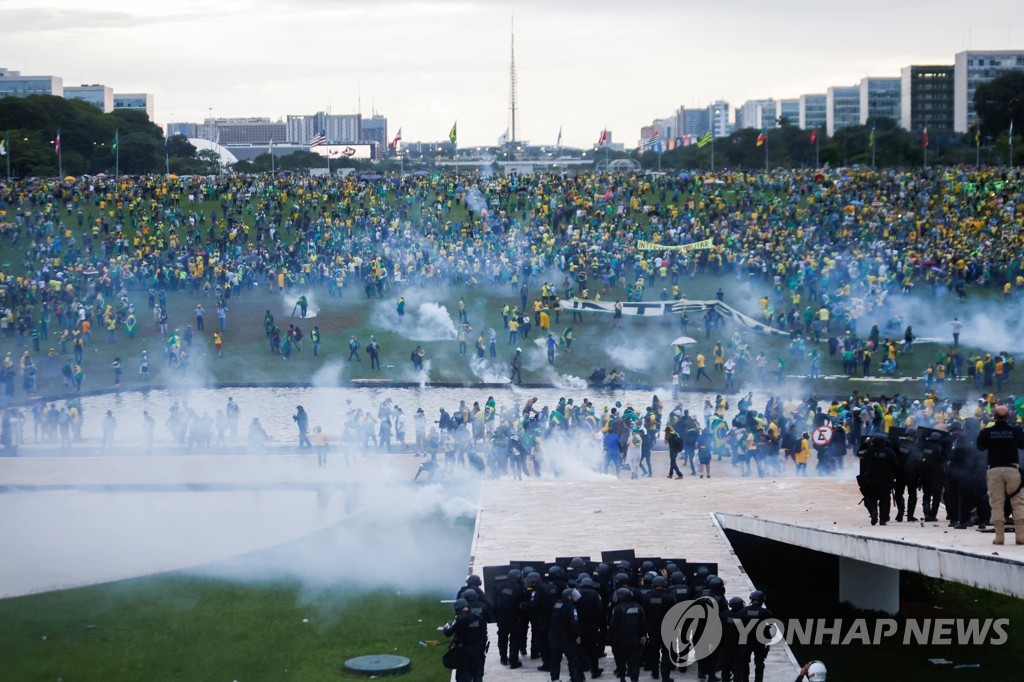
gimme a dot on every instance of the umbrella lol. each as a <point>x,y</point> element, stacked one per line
<point>684,341</point>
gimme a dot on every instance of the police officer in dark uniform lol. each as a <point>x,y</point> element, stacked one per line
<point>473,582</point>
<point>756,612</point>
<point>481,608</point>
<point>538,607</point>
<point>956,472</point>
<point>591,610</point>
<point>470,633</point>
<point>933,474</point>
<point>627,632</point>
<point>908,456</point>
<point>657,603</point>
<point>680,592</point>
<point>564,636</point>
<point>877,473</point>
<point>715,589</point>
<point>731,650</point>
<point>508,611</point>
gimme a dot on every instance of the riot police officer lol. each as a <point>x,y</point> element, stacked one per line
<point>508,611</point>
<point>731,650</point>
<point>657,603</point>
<point>470,633</point>
<point>756,612</point>
<point>877,473</point>
<point>538,607</point>
<point>591,610</point>
<point>908,456</point>
<point>933,474</point>
<point>564,636</point>
<point>627,631</point>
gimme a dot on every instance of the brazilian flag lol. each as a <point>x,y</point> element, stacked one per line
<point>130,324</point>
<point>454,135</point>
<point>719,431</point>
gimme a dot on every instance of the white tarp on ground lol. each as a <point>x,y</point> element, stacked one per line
<point>659,308</point>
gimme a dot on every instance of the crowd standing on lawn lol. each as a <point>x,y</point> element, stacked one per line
<point>828,249</point>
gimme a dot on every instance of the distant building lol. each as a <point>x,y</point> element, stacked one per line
<point>13,84</point>
<point>757,114</point>
<point>338,128</point>
<point>842,108</point>
<point>973,68</point>
<point>229,131</point>
<point>135,101</point>
<point>187,129</point>
<point>926,96</point>
<point>100,96</point>
<point>813,111</point>
<point>879,98</point>
<point>719,114</point>
<point>375,130</point>
<point>692,121</point>
<point>789,109</point>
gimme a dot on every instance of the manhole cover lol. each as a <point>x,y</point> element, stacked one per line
<point>378,664</point>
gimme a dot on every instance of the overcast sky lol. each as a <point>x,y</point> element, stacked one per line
<point>582,64</point>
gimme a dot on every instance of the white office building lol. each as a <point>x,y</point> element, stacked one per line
<point>100,96</point>
<point>719,112</point>
<point>973,68</point>
<point>13,84</point>
<point>134,101</point>
<point>813,111</point>
<point>789,109</point>
<point>757,114</point>
<point>842,108</point>
<point>880,98</point>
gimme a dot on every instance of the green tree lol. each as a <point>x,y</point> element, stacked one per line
<point>1000,101</point>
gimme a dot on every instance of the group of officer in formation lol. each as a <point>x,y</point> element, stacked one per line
<point>570,613</point>
<point>975,470</point>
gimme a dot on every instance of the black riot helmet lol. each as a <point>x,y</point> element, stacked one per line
<point>678,578</point>
<point>736,603</point>
<point>585,581</point>
<point>647,566</point>
<point>625,566</point>
<point>624,594</point>
<point>515,574</point>
<point>460,604</point>
<point>660,581</point>
<point>604,569</point>
<point>621,579</point>
<point>533,579</point>
<point>757,597</point>
<point>474,580</point>
<point>577,564</point>
<point>556,572</point>
<point>470,596</point>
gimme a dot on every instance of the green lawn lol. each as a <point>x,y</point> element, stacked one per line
<point>177,627</point>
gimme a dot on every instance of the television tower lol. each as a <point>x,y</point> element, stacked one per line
<point>513,98</point>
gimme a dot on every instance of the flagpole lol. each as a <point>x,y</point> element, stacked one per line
<point>712,147</point>
<point>1011,142</point>
<point>872,147</point>
<point>766,154</point>
<point>60,157</point>
<point>273,164</point>
<point>817,150</point>
<point>7,149</point>
<point>117,153</point>
<point>167,157</point>
<point>924,144</point>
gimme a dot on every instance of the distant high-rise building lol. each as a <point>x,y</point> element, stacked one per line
<point>13,84</point>
<point>338,128</point>
<point>100,96</point>
<point>375,129</point>
<point>973,68</point>
<point>692,121</point>
<point>254,130</point>
<point>842,108</point>
<point>186,129</point>
<point>879,98</point>
<point>757,114</point>
<point>719,114</point>
<point>134,101</point>
<point>789,109</point>
<point>813,111</point>
<point>926,96</point>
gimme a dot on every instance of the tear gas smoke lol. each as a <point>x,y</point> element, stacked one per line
<point>291,307</point>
